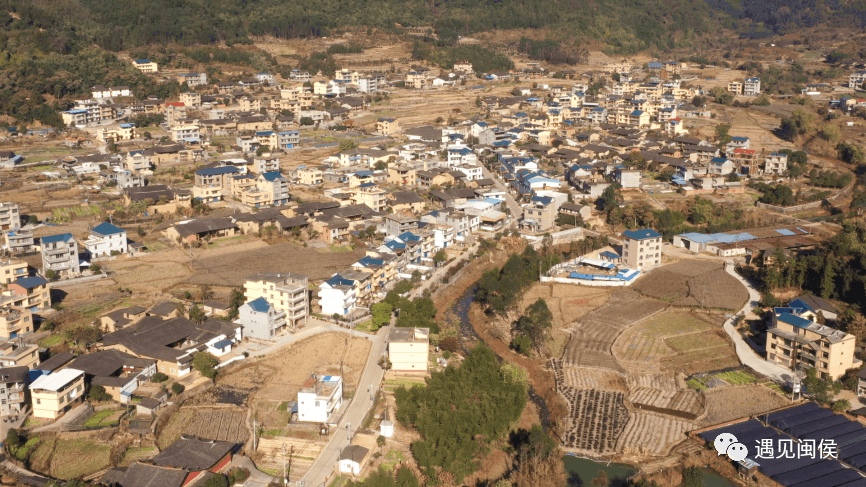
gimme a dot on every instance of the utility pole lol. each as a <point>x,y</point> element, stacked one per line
<point>254,434</point>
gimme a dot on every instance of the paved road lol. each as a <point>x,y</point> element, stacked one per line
<point>744,351</point>
<point>325,465</point>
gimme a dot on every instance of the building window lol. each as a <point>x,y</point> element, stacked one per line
<point>38,401</point>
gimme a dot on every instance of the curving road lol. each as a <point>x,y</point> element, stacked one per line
<point>745,352</point>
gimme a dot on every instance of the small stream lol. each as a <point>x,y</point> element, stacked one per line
<point>468,335</point>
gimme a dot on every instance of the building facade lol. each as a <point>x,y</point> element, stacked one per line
<point>642,248</point>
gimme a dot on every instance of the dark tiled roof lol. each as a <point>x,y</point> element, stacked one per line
<point>56,361</point>
<point>193,453</point>
<point>203,226</point>
<point>107,362</point>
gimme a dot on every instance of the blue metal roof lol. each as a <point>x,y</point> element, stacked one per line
<point>641,234</point>
<point>800,304</point>
<point>697,237</point>
<point>367,260</point>
<point>272,175</point>
<point>260,305</point>
<point>393,245</point>
<point>362,174</point>
<point>222,344</point>
<point>367,185</point>
<point>785,232</point>
<point>337,280</point>
<point>62,237</point>
<point>408,237</point>
<point>544,200</point>
<point>719,160</point>
<point>106,228</point>
<point>636,113</point>
<point>265,133</point>
<point>793,320</point>
<point>740,139</point>
<point>610,255</point>
<point>142,61</point>
<point>30,282</point>
<point>214,171</point>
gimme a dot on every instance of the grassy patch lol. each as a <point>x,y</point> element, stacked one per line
<point>737,377</point>
<point>339,481</point>
<point>367,326</point>
<point>392,459</point>
<point>24,450</point>
<point>133,454</point>
<point>696,385</point>
<point>668,324</point>
<point>52,340</point>
<point>694,341</point>
<point>777,388</point>
<point>79,457</point>
<point>368,420</point>
<point>102,419</point>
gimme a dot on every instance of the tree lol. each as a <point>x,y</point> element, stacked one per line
<point>236,300</point>
<point>50,274</point>
<point>522,344</point>
<point>95,269</point>
<point>13,439</point>
<point>380,165</point>
<point>601,480</point>
<point>197,314</point>
<point>820,389</point>
<point>159,377</point>
<point>262,149</point>
<point>851,153</point>
<point>536,322</point>
<point>218,480</point>
<point>609,199</point>
<point>97,393</point>
<point>204,293</point>
<point>307,121</point>
<point>86,335</point>
<point>722,133</point>
<point>841,405</point>
<point>440,257</point>
<point>348,144</point>
<point>177,388</point>
<point>693,477</point>
<point>381,314</point>
<point>204,362</point>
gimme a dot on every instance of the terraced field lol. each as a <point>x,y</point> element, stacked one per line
<point>595,420</point>
<point>694,283</point>
<point>653,434</point>
<point>219,425</point>
<point>594,335</point>
<point>686,404</point>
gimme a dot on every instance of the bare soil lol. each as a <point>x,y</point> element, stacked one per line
<point>694,283</point>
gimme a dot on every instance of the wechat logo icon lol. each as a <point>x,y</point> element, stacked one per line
<point>727,443</point>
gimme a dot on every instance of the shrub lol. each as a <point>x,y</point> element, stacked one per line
<point>446,354</point>
<point>95,269</point>
<point>97,393</point>
<point>449,344</point>
<point>159,377</point>
<point>177,388</point>
<point>12,438</point>
<point>205,363</point>
<point>522,344</point>
<point>841,405</point>
<point>50,275</point>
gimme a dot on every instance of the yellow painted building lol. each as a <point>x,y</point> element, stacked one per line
<point>794,341</point>
<point>12,269</point>
<point>54,394</point>
<point>408,349</point>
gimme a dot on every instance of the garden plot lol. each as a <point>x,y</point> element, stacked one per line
<point>655,381</point>
<point>137,455</point>
<point>175,427</point>
<point>694,283</point>
<point>653,434</point>
<point>222,424</point>
<point>729,403</point>
<point>595,420</point>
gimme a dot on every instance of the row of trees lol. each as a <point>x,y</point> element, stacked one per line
<point>499,289</point>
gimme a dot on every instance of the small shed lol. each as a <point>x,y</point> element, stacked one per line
<point>352,459</point>
<point>147,406</point>
<point>386,428</point>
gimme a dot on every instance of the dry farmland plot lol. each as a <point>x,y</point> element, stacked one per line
<point>653,433</point>
<point>732,402</point>
<point>221,424</point>
<point>687,404</point>
<point>79,457</point>
<point>175,427</point>
<point>584,378</point>
<point>229,268</point>
<point>151,272</point>
<point>694,283</point>
<point>567,302</point>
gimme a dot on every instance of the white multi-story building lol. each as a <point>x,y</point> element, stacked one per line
<point>105,239</point>
<point>337,296</point>
<point>146,65</point>
<point>319,397</point>
<point>10,218</point>
<point>856,79</point>
<point>368,85</point>
<point>60,254</point>
<point>261,319</point>
<point>752,87</point>
<point>642,248</point>
<point>265,78</point>
<point>192,79</point>
<point>286,291</point>
<point>776,163</point>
